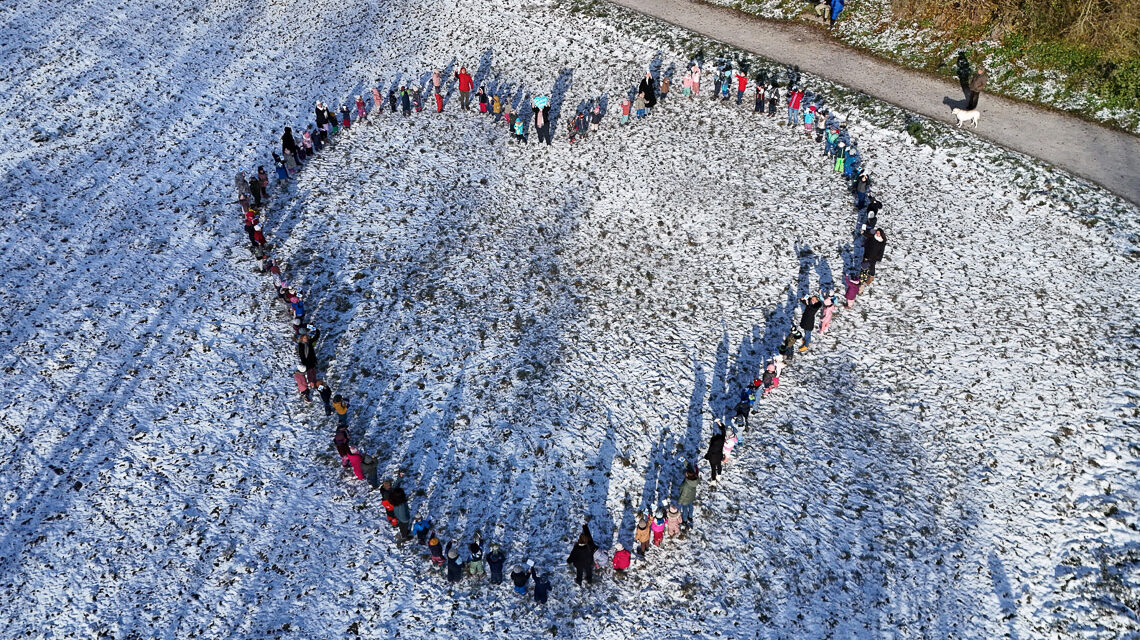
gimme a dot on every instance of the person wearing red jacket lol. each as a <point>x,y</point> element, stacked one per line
<point>466,84</point>
<point>741,86</point>
<point>795,98</point>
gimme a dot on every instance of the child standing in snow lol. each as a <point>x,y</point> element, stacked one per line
<point>392,99</point>
<point>828,312</point>
<point>355,462</point>
<point>852,290</point>
<point>326,396</point>
<point>639,105</point>
<point>520,577</point>
<point>302,383</point>
<point>696,79</point>
<point>345,117</point>
<point>809,120</point>
<point>641,535</point>
<point>673,519</point>
<point>360,113</point>
<point>770,379</point>
<point>758,107</point>
<point>484,103</point>
<point>596,119</point>
<point>258,236</point>
<point>688,495</point>
<point>421,528</point>
<point>621,559</point>
<point>340,406</point>
<point>625,106</point>
<point>572,129</point>
<point>541,586</point>
<point>377,101</point>
<point>475,558</point>
<point>263,180</point>
<point>657,526</point>
<point>773,98</point>
<point>435,547</point>
<point>687,84</point>
<point>496,108</point>
<point>307,142</point>
<point>840,156</point>
<point>519,129</point>
<point>291,164</point>
<point>495,560</point>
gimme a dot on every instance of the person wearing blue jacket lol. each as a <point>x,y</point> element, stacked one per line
<point>495,560</point>
<point>836,9</point>
<point>421,529</point>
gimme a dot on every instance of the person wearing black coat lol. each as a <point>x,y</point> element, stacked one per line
<point>520,577</point>
<point>454,566</point>
<point>288,143</point>
<point>541,587</point>
<point>715,454</point>
<point>306,353</point>
<point>812,305</point>
<point>589,537</point>
<point>322,116</point>
<point>874,244</point>
<point>648,88</point>
<point>582,558</point>
<point>542,123</point>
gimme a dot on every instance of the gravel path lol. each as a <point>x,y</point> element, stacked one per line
<point>1105,156</point>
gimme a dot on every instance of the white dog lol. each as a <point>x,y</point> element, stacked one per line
<point>964,116</point>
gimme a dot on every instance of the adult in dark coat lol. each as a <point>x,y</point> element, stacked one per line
<point>406,101</point>
<point>542,123</point>
<point>322,116</point>
<point>454,566</point>
<point>715,454</point>
<point>582,558</point>
<point>648,88</point>
<point>812,305</point>
<point>874,244</point>
<point>977,83</point>
<point>288,143</point>
<point>306,353</point>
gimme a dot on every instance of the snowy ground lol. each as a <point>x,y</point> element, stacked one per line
<point>534,336</point>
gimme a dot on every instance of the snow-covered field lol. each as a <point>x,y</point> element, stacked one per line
<point>534,336</point>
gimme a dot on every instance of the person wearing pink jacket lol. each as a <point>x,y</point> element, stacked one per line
<point>356,461</point>
<point>657,526</point>
<point>828,312</point>
<point>673,521</point>
<point>302,383</point>
<point>696,78</point>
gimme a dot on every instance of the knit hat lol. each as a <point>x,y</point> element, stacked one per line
<point>618,547</point>
<point>516,569</point>
<point>660,512</point>
<point>453,554</point>
<point>827,301</point>
<point>672,508</point>
<point>301,368</point>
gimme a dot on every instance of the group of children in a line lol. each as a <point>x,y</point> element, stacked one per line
<point>653,526</point>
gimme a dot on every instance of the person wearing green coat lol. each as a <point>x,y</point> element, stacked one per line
<point>688,495</point>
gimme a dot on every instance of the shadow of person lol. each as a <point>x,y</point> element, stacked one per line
<point>955,104</point>
<point>962,68</point>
